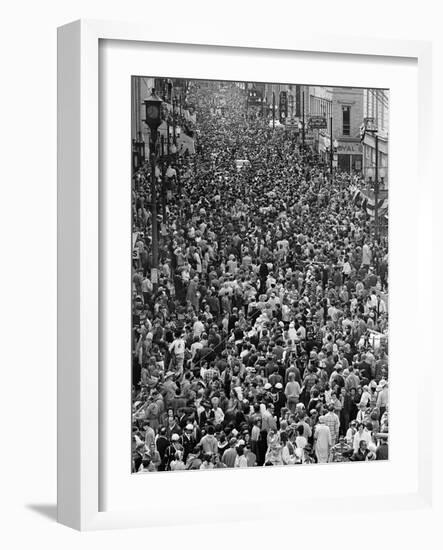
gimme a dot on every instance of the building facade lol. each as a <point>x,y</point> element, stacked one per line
<point>376,107</point>
<point>320,104</point>
<point>347,117</point>
<point>343,110</point>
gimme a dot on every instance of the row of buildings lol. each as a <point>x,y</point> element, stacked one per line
<point>175,131</point>
<point>341,111</point>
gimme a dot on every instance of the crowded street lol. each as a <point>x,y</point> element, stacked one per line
<point>259,290</point>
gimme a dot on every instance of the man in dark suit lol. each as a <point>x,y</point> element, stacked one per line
<point>188,441</point>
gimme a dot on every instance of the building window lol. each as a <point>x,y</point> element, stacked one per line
<point>346,120</point>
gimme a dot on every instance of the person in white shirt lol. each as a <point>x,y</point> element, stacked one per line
<point>350,433</point>
<point>240,460</point>
<point>362,434</point>
<point>300,443</point>
<point>292,392</point>
<point>177,348</point>
<point>365,399</point>
<point>366,255</point>
<point>198,328</point>
<point>361,415</point>
<point>219,415</point>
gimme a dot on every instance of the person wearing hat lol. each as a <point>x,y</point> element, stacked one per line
<point>188,441</point>
<point>278,398</point>
<point>170,452</point>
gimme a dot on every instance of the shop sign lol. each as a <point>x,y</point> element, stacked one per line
<point>317,122</point>
<point>350,148</point>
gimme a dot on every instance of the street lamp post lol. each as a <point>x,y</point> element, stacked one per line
<point>174,104</point>
<point>153,120</point>
<point>376,187</point>
<point>331,150</point>
<point>163,179</point>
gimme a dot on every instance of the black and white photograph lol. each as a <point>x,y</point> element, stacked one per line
<point>260,310</point>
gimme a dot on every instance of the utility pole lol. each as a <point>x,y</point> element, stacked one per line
<point>273,110</point>
<point>303,119</point>
<point>153,150</point>
<point>331,149</point>
<point>153,120</point>
<point>247,100</point>
<point>174,137</point>
<point>168,137</point>
<point>376,187</point>
<point>163,179</point>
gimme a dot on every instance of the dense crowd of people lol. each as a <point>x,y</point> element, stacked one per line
<point>264,340</point>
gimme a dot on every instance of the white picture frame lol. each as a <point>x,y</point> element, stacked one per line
<point>79,256</point>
